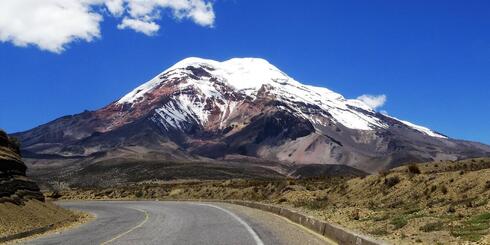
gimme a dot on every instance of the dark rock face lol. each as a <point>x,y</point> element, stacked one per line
<point>15,187</point>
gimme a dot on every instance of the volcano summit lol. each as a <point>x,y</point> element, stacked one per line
<point>239,110</point>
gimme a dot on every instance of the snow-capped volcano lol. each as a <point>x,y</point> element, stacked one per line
<point>242,107</point>
<point>247,77</point>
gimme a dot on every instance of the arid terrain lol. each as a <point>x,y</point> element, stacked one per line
<point>22,205</point>
<point>444,202</point>
<point>33,214</point>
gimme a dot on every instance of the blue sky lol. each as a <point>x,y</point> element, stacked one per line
<point>431,60</point>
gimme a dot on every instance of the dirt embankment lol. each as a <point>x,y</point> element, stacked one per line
<point>22,205</point>
<point>33,214</point>
<point>431,203</point>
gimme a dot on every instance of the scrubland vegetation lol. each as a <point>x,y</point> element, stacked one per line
<point>430,203</point>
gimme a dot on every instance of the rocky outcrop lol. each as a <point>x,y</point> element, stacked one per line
<point>15,187</point>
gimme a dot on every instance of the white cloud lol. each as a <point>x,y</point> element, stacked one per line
<point>115,7</point>
<point>200,12</point>
<point>148,28</point>
<point>48,24</point>
<point>144,13</point>
<point>373,101</point>
<point>53,24</point>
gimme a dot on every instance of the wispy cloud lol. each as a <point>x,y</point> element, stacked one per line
<point>52,24</point>
<point>373,101</point>
<point>147,27</point>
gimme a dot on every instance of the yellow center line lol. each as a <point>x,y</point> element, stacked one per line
<point>130,230</point>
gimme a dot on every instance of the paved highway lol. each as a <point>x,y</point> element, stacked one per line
<point>155,222</point>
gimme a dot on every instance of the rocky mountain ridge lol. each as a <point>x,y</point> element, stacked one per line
<point>204,110</point>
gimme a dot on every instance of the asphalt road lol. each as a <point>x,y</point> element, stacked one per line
<point>154,222</point>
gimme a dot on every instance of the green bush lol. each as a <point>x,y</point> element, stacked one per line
<point>399,222</point>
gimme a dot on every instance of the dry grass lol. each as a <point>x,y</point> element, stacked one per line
<point>31,215</point>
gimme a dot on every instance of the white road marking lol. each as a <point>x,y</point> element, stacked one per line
<point>130,230</point>
<point>256,237</point>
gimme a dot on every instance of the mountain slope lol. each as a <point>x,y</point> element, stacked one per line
<point>204,110</point>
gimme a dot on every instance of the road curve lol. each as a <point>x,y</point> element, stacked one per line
<point>155,222</point>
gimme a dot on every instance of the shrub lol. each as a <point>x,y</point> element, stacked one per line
<point>317,204</point>
<point>444,189</point>
<point>399,222</point>
<point>487,184</point>
<point>139,194</point>
<point>355,215</point>
<point>314,204</point>
<point>392,181</point>
<point>480,203</point>
<point>436,226</point>
<point>413,169</point>
<point>282,200</point>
